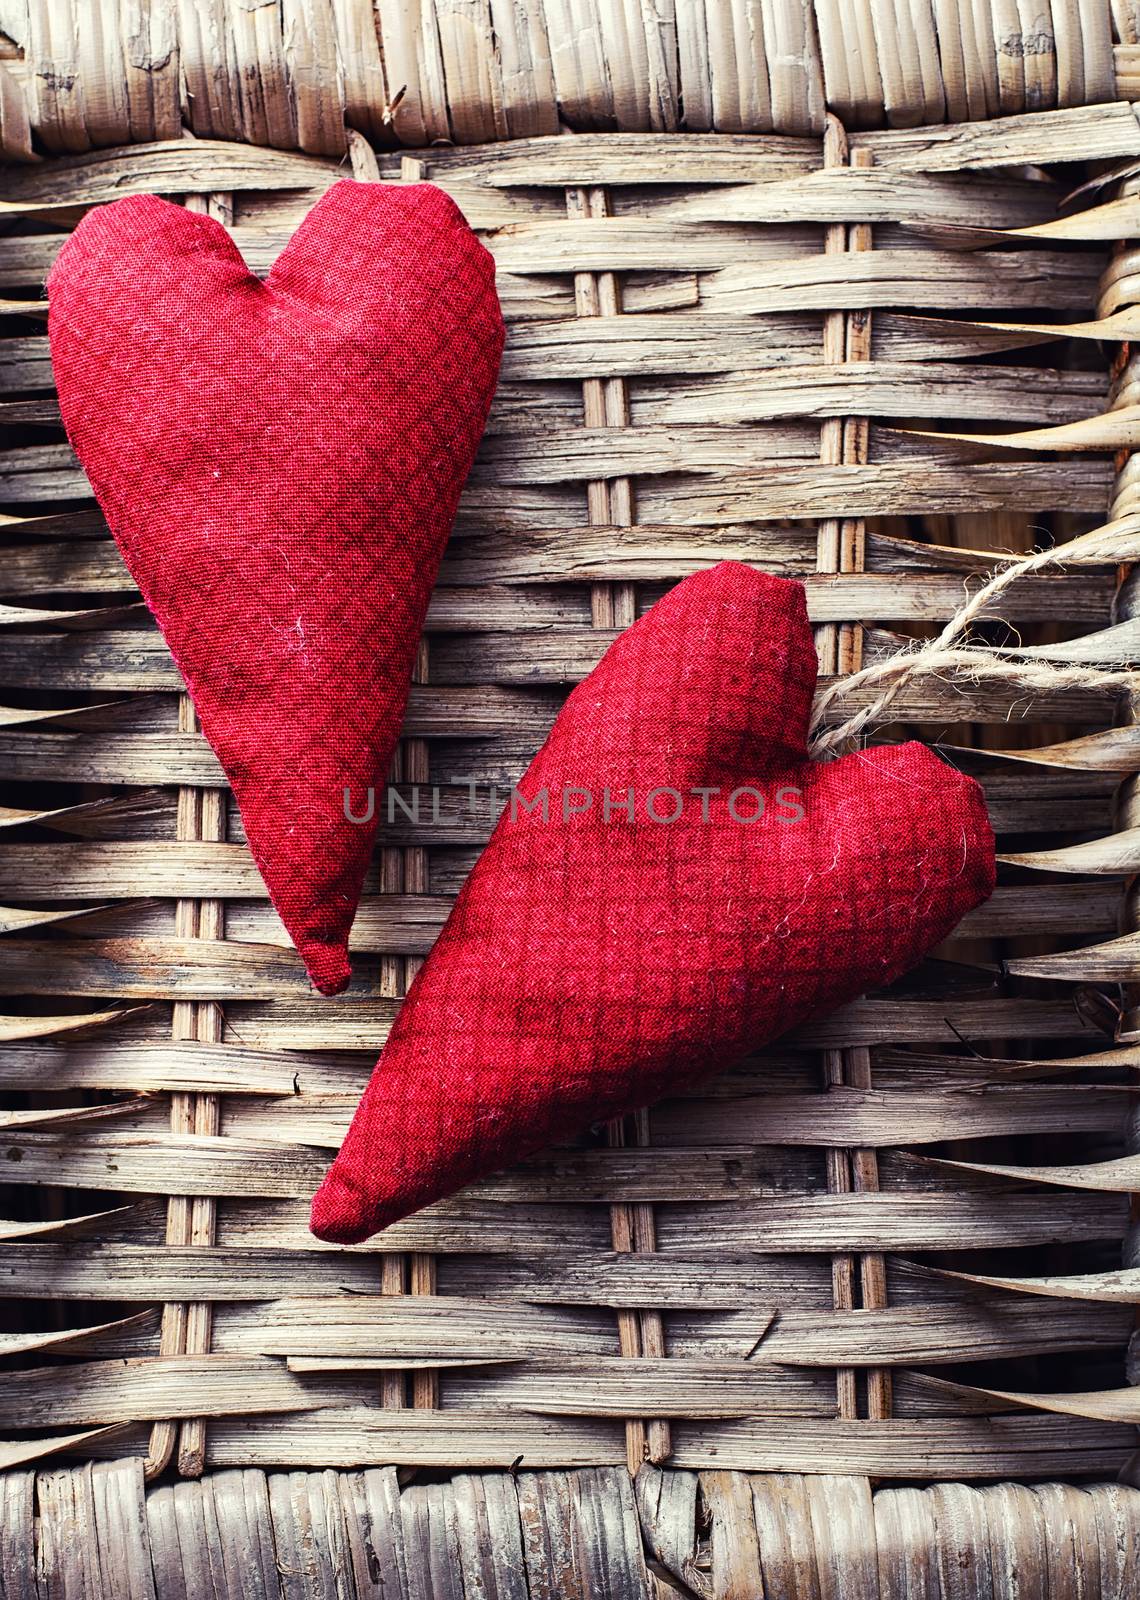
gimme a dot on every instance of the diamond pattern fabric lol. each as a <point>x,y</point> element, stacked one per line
<point>673,884</point>
<point>280,464</point>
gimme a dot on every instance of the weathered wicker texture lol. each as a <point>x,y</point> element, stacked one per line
<point>710,334</point>
<point>293,73</point>
<point>557,1536</point>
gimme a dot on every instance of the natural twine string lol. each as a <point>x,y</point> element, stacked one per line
<point>1114,543</point>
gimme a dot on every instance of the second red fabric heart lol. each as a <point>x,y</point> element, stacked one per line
<point>608,951</point>
<point>280,464</point>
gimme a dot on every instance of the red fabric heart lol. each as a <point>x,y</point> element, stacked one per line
<point>280,464</point>
<point>593,964</point>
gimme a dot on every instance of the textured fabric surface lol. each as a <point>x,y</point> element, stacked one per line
<point>594,962</point>
<point>280,464</point>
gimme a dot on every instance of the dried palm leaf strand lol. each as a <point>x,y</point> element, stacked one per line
<point>201,815</point>
<point>294,76</point>
<point>187,1327</point>
<point>857,1060</point>
<point>1126,374</point>
<point>404,871</point>
<point>841,547</point>
<point>837,648</point>
<point>605,403</point>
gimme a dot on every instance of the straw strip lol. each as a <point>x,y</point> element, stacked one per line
<point>294,76</point>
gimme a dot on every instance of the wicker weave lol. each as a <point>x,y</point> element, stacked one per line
<point>249,1535</point>
<point>684,1286</point>
<point>293,73</point>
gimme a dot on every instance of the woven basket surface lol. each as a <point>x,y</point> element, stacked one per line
<point>757,347</point>
<point>294,74</point>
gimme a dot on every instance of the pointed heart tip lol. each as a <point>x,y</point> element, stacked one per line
<point>338,1214</point>
<point>328,967</point>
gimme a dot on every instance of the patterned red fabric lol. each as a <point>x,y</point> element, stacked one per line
<point>594,963</point>
<point>280,465</point>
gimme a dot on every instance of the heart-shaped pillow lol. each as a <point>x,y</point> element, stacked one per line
<point>280,464</point>
<point>673,884</point>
